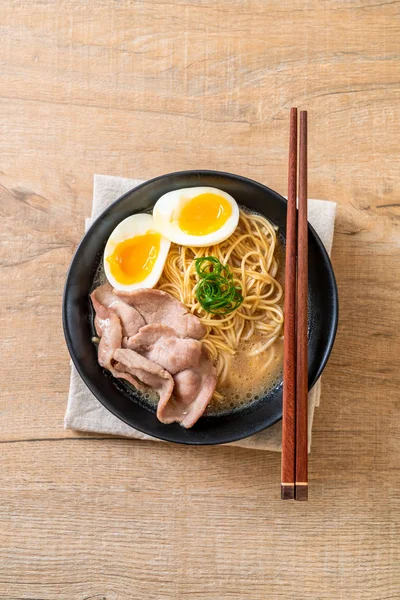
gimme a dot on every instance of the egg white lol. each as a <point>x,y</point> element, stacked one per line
<point>130,227</point>
<point>166,212</point>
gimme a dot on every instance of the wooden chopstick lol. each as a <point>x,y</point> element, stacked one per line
<point>294,476</point>
<point>301,456</point>
<point>289,360</point>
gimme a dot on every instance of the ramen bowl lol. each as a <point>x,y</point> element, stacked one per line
<point>127,405</point>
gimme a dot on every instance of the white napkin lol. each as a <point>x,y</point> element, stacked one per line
<point>84,411</point>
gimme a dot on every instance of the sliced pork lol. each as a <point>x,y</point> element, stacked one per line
<point>150,334</point>
<point>108,328</point>
<point>160,307</point>
<point>160,344</point>
<point>131,319</point>
<point>146,371</point>
<point>150,339</point>
<point>193,391</point>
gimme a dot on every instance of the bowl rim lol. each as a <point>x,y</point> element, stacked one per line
<point>87,380</point>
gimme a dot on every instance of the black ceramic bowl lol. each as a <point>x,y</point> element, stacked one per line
<point>323,311</point>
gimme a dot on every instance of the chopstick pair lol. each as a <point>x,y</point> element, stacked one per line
<point>294,476</point>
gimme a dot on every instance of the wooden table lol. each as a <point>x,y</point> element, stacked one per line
<point>140,88</point>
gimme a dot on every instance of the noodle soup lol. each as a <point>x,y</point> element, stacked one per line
<point>246,345</point>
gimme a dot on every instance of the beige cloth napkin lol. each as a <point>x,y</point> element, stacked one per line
<point>84,411</point>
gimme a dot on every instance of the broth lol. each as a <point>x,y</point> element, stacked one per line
<point>250,377</point>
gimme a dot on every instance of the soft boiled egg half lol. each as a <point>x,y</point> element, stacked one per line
<point>135,254</point>
<point>197,216</point>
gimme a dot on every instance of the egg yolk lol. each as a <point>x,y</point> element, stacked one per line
<point>133,259</point>
<point>204,214</point>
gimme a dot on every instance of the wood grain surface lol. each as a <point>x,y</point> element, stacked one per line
<point>138,88</point>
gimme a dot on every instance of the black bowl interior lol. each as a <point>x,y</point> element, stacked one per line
<point>323,311</point>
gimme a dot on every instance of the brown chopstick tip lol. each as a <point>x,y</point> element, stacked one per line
<point>287,491</point>
<point>301,492</point>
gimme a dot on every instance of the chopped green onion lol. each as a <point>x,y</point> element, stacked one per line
<point>215,290</point>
